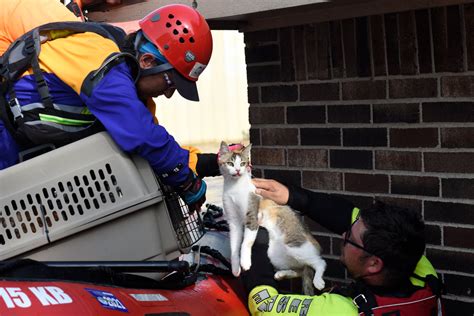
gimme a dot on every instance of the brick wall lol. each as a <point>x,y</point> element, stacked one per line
<point>376,107</point>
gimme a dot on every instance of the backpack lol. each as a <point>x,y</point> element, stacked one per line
<point>22,55</point>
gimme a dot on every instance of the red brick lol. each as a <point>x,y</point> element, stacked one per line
<point>322,47</point>
<point>408,56</point>
<point>378,44</point>
<point>364,137</point>
<point>337,60</point>
<point>351,159</point>
<point>433,234</point>
<point>320,136</point>
<point>306,114</point>
<point>393,49</point>
<point>300,54</point>
<point>397,160</point>
<point>447,39</point>
<point>448,112</point>
<point>468,27</point>
<point>414,137</point>
<point>253,94</point>
<point>267,115</point>
<point>413,88</point>
<point>319,92</point>
<point>449,212</point>
<point>280,93</point>
<point>457,137</point>
<point>358,113</point>
<point>423,36</point>
<point>270,73</point>
<point>362,47</point>
<point>308,158</point>
<point>255,136</point>
<point>457,86</point>
<point>279,136</point>
<point>449,162</point>
<point>364,90</point>
<point>261,36</point>
<point>459,285</point>
<point>289,177</point>
<point>268,156</point>
<point>396,113</point>
<point>451,260</point>
<point>373,183</point>
<point>262,53</point>
<point>458,188</point>
<point>321,180</point>
<point>409,185</point>
<point>350,48</point>
<point>287,58</point>
<point>311,52</point>
<point>458,237</point>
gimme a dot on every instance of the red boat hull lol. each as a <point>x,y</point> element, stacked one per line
<point>211,295</point>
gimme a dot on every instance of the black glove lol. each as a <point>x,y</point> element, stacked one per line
<point>193,192</point>
<point>207,166</point>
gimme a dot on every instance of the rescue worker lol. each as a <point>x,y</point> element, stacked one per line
<point>89,77</point>
<point>382,250</point>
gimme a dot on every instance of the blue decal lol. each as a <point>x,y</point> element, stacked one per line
<point>108,300</point>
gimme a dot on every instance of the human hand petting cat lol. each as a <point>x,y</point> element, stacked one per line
<point>271,189</point>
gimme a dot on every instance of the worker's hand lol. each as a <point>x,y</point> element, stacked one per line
<point>193,192</point>
<point>207,166</point>
<point>271,189</point>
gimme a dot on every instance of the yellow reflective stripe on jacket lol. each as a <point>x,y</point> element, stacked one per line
<point>63,121</point>
<point>423,267</point>
<point>265,300</point>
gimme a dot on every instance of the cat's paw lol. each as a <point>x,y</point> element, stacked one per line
<point>245,263</point>
<point>236,270</point>
<point>318,283</point>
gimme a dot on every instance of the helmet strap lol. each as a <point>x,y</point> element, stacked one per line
<point>155,70</point>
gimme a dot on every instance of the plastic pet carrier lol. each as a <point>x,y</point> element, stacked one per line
<point>91,201</point>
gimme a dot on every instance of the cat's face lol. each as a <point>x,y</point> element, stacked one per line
<point>234,160</point>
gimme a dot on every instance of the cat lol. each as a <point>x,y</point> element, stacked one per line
<point>292,249</point>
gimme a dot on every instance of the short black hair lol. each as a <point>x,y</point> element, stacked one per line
<point>397,236</point>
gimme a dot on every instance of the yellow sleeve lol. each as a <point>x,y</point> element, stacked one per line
<point>193,158</point>
<point>265,300</point>
<point>19,16</point>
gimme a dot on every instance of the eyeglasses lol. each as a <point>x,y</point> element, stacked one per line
<point>347,239</point>
<point>170,83</point>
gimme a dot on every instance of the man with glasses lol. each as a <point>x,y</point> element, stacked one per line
<point>382,250</point>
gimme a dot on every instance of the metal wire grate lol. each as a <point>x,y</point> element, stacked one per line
<point>188,227</point>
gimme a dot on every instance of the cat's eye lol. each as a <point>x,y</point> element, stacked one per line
<point>230,164</point>
<point>242,164</point>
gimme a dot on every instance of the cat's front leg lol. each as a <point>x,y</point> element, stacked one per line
<point>286,274</point>
<point>246,249</point>
<point>235,235</point>
<point>250,232</point>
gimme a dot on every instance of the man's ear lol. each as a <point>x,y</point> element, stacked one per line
<point>375,265</point>
<point>146,61</point>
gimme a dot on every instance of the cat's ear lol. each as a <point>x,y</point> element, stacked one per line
<point>224,148</point>
<point>246,151</point>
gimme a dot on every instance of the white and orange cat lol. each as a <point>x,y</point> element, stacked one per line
<point>292,249</point>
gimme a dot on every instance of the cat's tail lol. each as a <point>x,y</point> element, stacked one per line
<point>307,277</point>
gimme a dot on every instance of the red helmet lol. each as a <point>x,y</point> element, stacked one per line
<point>183,37</point>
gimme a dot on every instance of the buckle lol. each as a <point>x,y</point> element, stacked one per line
<point>358,298</point>
<point>15,108</point>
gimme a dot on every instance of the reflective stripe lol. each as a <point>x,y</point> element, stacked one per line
<point>61,107</point>
<point>65,128</point>
<point>63,121</point>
